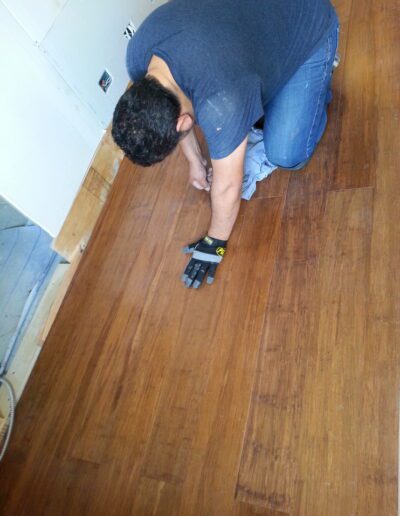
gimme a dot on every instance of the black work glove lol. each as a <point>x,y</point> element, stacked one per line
<point>207,254</point>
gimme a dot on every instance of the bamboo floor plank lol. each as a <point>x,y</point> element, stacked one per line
<point>378,487</point>
<point>330,422</point>
<point>266,475</point>
<point>358,106</point>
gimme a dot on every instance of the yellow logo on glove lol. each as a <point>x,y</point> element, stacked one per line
<point>220,251</point>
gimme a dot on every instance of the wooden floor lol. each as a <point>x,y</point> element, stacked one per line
<point>273,391</point>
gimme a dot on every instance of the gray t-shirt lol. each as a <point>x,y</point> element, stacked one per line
<point>230,57</point>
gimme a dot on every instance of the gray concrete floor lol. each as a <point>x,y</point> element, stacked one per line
<point>26,264</point>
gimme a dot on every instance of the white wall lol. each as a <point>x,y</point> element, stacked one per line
<point>36,18</point>
<point>97,44</point>
<point>52,110</point>
<point>47,136</point>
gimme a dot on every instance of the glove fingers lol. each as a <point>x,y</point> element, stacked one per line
<point>191,272</point>
<point>195,270</point>
<point>211,273</point>
<point>200,275</point>
<point>188,270</point>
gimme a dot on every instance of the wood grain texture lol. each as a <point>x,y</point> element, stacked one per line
<point>107,158</point>
<point>81,220</point>
<point>86,208</point>
<point>273,392</point>
<point>267,471</point>
<point>359,109</point>
<point>331,420</point>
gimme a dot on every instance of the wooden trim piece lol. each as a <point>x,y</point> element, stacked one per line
<point>79,224</point>
<point>107,158</point>
<point>86,209</point>
<point>37,331</point>
<point>66,278</point>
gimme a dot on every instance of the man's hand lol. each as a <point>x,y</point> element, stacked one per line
<point>199,176</point>
<point>207,254</point>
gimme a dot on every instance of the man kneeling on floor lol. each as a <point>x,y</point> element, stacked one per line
<point>224,65</point>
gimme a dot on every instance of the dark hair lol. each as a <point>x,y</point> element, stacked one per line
<point>144,122</point>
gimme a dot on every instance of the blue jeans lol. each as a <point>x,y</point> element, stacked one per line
<point>295,119</point>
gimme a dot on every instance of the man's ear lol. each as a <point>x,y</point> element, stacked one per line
<point>184,123</point>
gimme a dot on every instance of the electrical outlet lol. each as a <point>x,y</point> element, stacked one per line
<point>105,81</point>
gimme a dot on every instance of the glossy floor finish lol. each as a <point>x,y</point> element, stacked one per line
<point>273,391</point>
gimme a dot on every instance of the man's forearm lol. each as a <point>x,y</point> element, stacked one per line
<point>225,209</point>
<point>226,192</point>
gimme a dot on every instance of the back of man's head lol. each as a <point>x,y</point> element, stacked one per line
<point>144,122</point>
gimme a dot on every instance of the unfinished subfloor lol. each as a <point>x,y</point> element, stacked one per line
<point>273,391</point>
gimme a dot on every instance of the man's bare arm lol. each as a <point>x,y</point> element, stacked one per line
<point>226,192</point>
<point>208,252</point>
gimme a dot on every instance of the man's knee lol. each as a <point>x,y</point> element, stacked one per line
<point>292,161</point>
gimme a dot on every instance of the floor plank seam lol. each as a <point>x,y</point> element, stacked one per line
<point>334,190</point>
<point>266,197</point>
<point>339,117</point>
